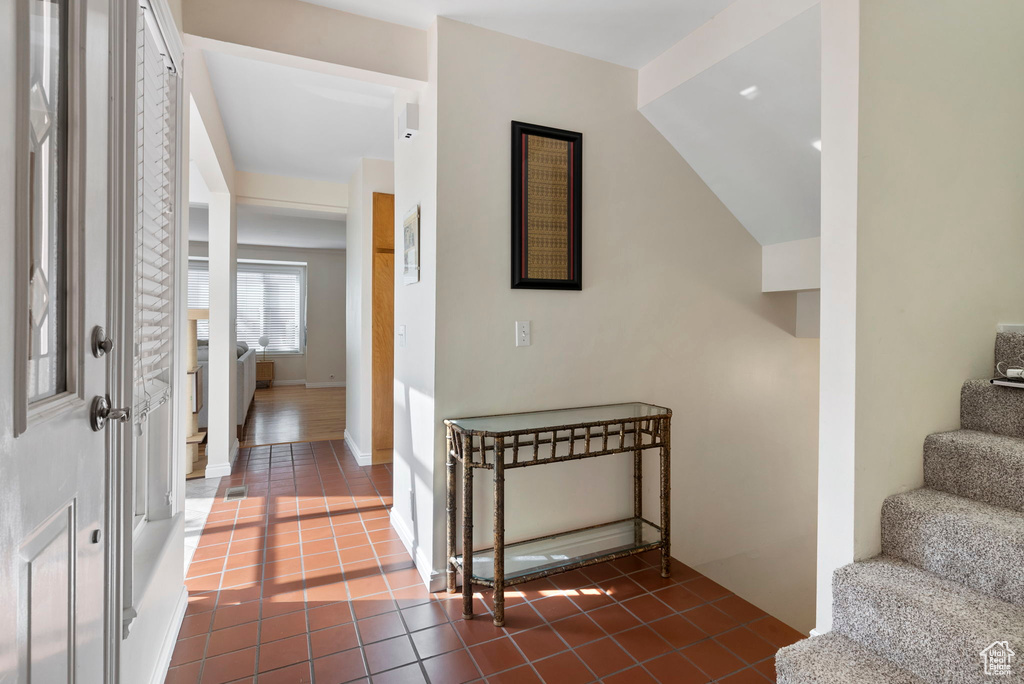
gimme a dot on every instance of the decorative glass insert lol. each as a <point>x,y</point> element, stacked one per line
<point>47,170</point>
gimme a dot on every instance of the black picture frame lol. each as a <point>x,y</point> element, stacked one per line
<point>520,168</point>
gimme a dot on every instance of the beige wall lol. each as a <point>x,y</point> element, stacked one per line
<point>373,175</point>
<point>938,235</point>
<point>941,224</point>
<point>671,312</point>
<point>416,478</point>
<point>325,313</point>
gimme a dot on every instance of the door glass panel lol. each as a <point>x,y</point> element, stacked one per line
<point>47,198</point>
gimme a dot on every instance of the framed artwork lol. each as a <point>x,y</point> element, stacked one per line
<point>411,247</point>
<point>547,182</point>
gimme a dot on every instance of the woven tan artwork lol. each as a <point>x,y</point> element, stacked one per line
<point>547,208</point>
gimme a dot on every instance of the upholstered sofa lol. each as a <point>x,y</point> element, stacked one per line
<point>245,384</point>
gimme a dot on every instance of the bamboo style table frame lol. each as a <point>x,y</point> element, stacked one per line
<point>499,451</point>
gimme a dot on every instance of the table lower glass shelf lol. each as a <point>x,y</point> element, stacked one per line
<point>529,559</point>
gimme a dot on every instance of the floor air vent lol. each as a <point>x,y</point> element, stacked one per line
<point>236,493</point>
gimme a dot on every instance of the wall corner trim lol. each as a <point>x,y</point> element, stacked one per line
<point>362,459</point>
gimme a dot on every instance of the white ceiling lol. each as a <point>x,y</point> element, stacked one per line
<point>258,225</point>
<point>626,32</point>
<point>292,122</point>
<point>757,154</point>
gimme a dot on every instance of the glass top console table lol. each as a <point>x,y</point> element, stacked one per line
<point>523,440</point>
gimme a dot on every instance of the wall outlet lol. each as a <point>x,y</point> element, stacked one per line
<point>522,333</point>
<point>401,336</point>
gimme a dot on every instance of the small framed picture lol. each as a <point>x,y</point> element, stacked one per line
<point>547,182</point>
<point>411,247</point>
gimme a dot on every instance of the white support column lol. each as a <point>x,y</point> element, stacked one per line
<point>222,444</point>
<point>210,151</point>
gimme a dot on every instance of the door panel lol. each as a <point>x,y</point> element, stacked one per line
<point>53,467</point>
<point>47,591</point>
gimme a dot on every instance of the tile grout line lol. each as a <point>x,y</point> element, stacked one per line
<point>216,601</point>
<point>348,592</point>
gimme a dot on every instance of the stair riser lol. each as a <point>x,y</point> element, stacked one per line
<point>1009,348</point>
<point>834,659</point>
<point>990,408</point>
<point>917,632</point>
<point>981,554</point>
<point>987,471</point>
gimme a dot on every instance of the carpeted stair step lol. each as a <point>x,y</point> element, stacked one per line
<point>966,541</point>
<point>991,408</point>
<point>977,465</point>
<point>926,625</point>
<point>1009,348</point>
<point>833,659</point>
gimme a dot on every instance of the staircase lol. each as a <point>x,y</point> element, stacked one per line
<point>950,580</point>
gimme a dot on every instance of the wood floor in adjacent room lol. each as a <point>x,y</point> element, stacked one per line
<point>293,413</point>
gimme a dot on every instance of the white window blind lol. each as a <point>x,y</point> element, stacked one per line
<point>199,293</point>
<point>156,92</point>
<point>271,301</point>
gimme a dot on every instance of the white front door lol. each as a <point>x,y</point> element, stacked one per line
<point>54,479</point>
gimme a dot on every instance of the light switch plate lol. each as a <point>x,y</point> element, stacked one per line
<point>522,333</point>
<point>401,336</point>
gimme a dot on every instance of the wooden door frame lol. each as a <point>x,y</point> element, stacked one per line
<point>382,403</point>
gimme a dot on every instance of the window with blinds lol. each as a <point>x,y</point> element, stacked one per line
<point>155,133</point>
<point>271,301</point>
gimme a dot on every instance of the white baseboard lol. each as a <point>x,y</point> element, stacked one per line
<point>284,383</point>
<point>815,632</point>
<point>171,638</point>
<point>433,579</point>
<point>224,469</point>
<point>318,385</point>
<point>363,459</point>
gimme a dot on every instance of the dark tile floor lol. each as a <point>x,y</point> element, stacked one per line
<point>305,581</point>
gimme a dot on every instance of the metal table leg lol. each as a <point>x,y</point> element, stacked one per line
<point>666,487</point>
<point>499,532</point>
<point>467,535</point>
<point>638,483</point>
<point>450,511</point>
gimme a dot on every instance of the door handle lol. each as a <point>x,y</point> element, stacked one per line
<point>101,413</point>
<point>101,344</point>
